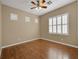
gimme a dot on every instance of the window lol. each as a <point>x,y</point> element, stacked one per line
<point>27,19</point>
<point>36,20</point>
<point>58,24</point>
<point>13,16</point>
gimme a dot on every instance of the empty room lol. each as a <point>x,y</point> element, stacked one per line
<point>38,29</point>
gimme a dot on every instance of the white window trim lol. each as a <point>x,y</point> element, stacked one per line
<point>56,26</point>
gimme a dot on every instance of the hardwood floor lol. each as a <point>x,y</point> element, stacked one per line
<point>40,49</point>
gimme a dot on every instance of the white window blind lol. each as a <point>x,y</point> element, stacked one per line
<point>58,24</point>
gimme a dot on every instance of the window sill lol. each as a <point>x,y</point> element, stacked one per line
<point>59,34</point>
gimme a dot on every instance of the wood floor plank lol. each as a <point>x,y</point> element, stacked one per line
<point>40,49</point>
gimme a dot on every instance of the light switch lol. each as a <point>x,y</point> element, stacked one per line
<point>62,39</point>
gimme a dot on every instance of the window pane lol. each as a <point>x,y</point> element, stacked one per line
<point>65,29</point>
<point>54,29</point>
<point>13,16</point>
<point>59,29</point>
<point>50,21</point>
<point>50,29</point>
<point>58,19</point>
<point>64,19</point>
<point>54,20</point>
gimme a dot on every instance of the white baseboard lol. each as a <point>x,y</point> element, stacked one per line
<point>37,39</point>
<point>19,43</point>
<point>60,42</point>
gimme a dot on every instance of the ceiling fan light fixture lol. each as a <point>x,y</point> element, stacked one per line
<point>41,4</point>
<point>38,8</point>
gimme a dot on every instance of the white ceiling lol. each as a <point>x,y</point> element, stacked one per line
<point>25,5</point>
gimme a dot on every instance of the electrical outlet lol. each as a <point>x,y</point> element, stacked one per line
<point>18,38</point>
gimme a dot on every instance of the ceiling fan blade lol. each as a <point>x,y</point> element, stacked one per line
<point>49,2</point>
<point>43,1</point>
<point>43,6</point>
<point>33,7</point>
<point>33,2</point>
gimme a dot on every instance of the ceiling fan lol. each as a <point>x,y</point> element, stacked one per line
<point>40,4</point>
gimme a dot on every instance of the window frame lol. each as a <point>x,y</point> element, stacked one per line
<point>59,24</point>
